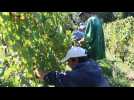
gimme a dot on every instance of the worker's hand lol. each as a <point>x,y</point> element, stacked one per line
<point>40,74</point>
<point>81,41</point>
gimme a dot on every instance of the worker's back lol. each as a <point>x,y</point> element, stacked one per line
<point>94,37</point>
<point>87,74</point>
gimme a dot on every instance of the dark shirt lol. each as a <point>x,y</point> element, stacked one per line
<point>86,74</point>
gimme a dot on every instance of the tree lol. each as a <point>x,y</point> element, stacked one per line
<point>35,39</point>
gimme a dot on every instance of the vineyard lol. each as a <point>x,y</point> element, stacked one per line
<point>119,38</point>
<point>31,40</point>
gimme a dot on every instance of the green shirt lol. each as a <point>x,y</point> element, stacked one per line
<point>94,37</point>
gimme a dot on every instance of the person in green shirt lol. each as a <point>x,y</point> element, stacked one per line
<point>94,35</point>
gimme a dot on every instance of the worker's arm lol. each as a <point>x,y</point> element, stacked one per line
<point>90,29</point>
<point>55,78</point>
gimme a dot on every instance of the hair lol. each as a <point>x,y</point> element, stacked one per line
<point>80,59</point>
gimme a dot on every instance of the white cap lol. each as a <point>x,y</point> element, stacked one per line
<point>82,27</point>
<point>74,52</point>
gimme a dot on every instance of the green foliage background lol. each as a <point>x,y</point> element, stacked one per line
<point>119,38</point>
<point>29,40</point>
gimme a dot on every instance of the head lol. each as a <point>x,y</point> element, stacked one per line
<point>74,56</point>
<point>72,62</point>
<point>85,15</point>
<point>82,27</point>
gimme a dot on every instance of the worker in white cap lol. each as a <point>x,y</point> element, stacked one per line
<point>85,73</point>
